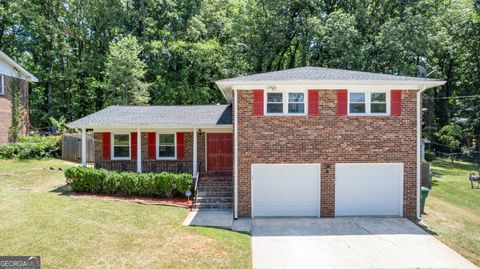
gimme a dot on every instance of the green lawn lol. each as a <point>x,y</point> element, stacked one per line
<point>40,218</point>
<point>453,208</point>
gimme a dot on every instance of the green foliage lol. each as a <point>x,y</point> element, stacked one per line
<point>128,183</point>
<point>33,147</point>
<point>94,53</point>
<point>450,135</point>
<point>125,72</point>
<point>15,88</point>
<point>183,182</point>
<point>60,124</point>
<point>84,179</point>
<point>429,156</point>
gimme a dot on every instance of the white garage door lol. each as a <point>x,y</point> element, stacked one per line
<point>366,189</point>
<point>285,190</point>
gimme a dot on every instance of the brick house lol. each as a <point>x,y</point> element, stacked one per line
<point>10,74</point>
<point>300,142</point>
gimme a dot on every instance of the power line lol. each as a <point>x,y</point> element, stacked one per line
<point>455,97</point>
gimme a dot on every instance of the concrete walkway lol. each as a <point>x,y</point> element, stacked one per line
<point>210,218</point>
<point>348,243</point>
<point>217,218</point>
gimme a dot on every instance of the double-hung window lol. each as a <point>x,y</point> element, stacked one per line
<point>2,84</point>
<point>121,146</point>
<point>296,103</point>
<point>166,147</point>
<point>285,103</point>
<point>275,103</point>
<point>368,103</point>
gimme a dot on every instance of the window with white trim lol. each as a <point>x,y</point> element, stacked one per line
<point>166,146</point>
<point>296,103</point>
<point>378,103</point>
<point>285,103</point>
<point>121,146</point>
<point>275,103</point>
<point>2,84</point>
<point>368,103</point>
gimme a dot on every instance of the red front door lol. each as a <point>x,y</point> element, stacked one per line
<point>220,152</point>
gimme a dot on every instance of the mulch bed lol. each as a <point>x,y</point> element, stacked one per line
<point>146,200</point>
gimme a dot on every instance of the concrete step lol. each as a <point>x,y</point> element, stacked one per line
<point>215,193</point>
<point>214,205</point>
<point>202,199</point>
<point>215,188</point>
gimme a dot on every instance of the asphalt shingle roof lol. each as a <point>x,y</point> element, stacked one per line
<point>158,115</point>
<point>320,73</point>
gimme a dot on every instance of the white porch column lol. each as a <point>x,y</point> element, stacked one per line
<point>139,151</point>
<point>195,152</point>
<point>84,147</point>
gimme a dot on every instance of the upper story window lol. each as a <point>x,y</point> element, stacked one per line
<point>275,103</point>
<point>296,103</point>
<point>2,84</point>
<point>166,146</point>
<point>121,146</point>
<point>285,103</point>
<point>368,103</point>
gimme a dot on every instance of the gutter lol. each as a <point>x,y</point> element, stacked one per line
<point>419,137</point>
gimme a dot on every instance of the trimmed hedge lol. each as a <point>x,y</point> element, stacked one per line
<point>83,179</point>
<point>33,147</point>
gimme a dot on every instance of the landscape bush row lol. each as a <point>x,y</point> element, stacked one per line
<point>33,147</point>
<point>84,179</point>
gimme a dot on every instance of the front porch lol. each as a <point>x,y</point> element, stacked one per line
<point>149,166</point>
<point>180,150</point>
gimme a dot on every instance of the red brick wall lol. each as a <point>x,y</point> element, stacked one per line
<point>326,139</point>
<point>188,151</point>
<point>6,111</point>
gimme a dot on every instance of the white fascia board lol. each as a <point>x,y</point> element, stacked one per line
<point>133,127</point>
<point>27,75</point>
<point>330,84</point>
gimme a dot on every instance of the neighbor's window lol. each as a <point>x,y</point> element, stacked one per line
<point>2,90</point>
<point>121,146</point>
<point>296,103</point>
<point>378,103</point>
<point>357,103</point>
<point>274,103</point>
<point>166,146</point>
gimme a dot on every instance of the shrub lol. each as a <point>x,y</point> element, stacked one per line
<point>111,184</point>
<point>429,156</point>
<point>183,182</point>
<point>33,147</point>
<point>146,185</point>
<point>75,176</point>
<point>128,183</point>
<point>161,184</point>
<point>83,179</point>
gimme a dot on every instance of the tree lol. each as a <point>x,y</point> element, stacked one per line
<point>451,136</point>
<point>125,72</point>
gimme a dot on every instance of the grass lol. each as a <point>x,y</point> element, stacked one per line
<point>40,218</point>
<point>453,208</point>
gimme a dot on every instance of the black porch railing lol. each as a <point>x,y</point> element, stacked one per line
<point>148,166</point>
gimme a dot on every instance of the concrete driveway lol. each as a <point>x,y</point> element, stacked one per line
<point>348,243</point>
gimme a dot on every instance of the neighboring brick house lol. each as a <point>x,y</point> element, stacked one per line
<point>11,73</point>
<point>300,142</point>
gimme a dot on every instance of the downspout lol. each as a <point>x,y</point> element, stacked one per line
<point>235,156</point>
<point>419,137</point>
